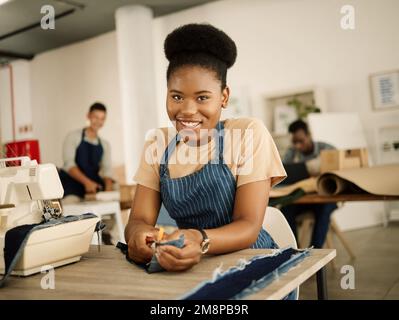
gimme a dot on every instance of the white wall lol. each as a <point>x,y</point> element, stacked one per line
<point>65,82</point>
<point>282,44</point>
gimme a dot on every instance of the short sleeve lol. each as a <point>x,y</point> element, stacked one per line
<point>260,159</point>
<point>147,173</point>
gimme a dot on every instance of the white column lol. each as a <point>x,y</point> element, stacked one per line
<point>22,102</point>
<point>137,80</point>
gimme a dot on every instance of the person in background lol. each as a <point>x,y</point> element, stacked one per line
<point>87,160</point>
<point>304,149</point>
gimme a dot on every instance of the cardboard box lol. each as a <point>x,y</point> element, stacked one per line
<point>331,160</point>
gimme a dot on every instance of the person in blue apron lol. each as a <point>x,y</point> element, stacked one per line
<point>85,156</point>
<point>217,205</point>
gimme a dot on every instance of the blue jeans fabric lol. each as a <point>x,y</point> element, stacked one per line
<point>272,266</point>
<point>153,265</point>
<point>322,213</point>
<point>248,277</point>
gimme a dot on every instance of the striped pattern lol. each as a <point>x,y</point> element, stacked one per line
<point>205,198</point>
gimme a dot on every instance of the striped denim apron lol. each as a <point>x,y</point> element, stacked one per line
<point>205,198</point>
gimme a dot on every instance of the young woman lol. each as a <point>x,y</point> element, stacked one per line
<point>219,199</point>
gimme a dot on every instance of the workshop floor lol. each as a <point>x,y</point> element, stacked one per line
<point>376,266</point>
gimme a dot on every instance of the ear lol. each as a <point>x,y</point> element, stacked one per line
<point>225,97</point>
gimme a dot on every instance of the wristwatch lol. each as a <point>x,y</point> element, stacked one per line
<point>205,242</point>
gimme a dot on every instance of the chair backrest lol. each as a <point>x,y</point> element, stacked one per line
<point>277,226</point>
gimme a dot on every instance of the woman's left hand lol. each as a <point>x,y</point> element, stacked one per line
<point>179,259</point>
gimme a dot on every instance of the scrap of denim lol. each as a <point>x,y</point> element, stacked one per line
<point>16,239</point>
<point>153,265</point>
<point>247,277</point>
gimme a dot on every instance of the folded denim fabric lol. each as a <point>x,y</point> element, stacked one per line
<point>153,265</point>
<point>247,277</point>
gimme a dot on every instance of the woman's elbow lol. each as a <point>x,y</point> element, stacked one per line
<point>252,235</point>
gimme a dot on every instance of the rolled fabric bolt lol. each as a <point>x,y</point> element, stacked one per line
<point>330,184</point>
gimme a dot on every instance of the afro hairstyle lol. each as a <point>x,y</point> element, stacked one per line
<point>200,45</point>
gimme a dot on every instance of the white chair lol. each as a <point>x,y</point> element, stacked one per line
<point>279,229</point>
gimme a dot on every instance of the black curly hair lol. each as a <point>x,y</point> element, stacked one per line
<point>200,45</point>
<point>97,106</point>
<point>298,125</point>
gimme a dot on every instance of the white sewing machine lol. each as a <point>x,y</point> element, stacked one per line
<point>28,193</point>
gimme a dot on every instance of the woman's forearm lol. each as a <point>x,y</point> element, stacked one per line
<point>238,235</point>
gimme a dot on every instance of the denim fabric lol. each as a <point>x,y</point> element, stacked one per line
<point>248,277</point>
<point>153,265</point>
<point>16,239</point>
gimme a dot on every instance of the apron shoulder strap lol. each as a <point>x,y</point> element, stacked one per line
<point>221,140</point>
<point>168,151</point>
<point>219,144</point>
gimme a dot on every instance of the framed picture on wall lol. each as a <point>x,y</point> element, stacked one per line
<point>385,89</point>
<point>284,115</point>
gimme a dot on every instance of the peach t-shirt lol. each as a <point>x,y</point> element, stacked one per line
<point>249,152</point>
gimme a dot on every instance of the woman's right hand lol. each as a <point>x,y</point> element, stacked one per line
<point>139,243</point>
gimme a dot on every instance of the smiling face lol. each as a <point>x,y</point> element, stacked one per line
<point>97,119</point>
<point>195,100</point>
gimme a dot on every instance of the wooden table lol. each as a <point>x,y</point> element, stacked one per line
<point>316,198</point>
<point>107,275</point>
<point>311,198</point>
